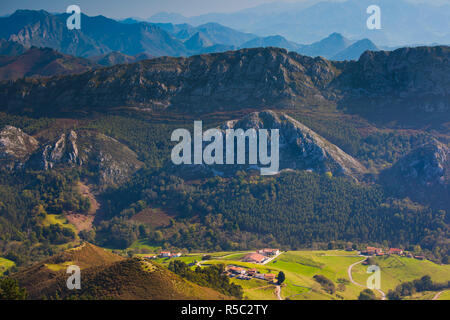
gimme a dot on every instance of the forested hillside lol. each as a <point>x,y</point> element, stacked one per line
<point>103,173</point>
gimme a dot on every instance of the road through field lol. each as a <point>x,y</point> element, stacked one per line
<point>437,295</point>
<point>278,292</point>
<point>349,271</point>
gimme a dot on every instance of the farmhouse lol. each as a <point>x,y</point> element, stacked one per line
<point>260,276</point>
<point>252,272</point>
<point>395,251</point>
<point>270,277</point>
<point>164,254</point>
<point>269,252</point>
<point>236,270</point>
<point>254,258</point>
<point>373,250</point>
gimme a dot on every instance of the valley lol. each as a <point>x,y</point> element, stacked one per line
<point>112,145</point>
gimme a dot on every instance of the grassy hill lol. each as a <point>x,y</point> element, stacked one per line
<point>5,264</point>
<point>108,276</point>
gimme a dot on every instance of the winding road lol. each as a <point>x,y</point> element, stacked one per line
<point>349,271</point>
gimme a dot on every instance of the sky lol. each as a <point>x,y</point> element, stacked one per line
<point>143,8</point>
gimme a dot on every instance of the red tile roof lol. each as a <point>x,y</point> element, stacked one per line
<point>254,257</point>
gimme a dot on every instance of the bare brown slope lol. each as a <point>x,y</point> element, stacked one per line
<point>136,279</point>
<point>37,278</point>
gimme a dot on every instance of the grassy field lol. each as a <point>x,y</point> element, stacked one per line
<point>445,295</point>
<point>395,270</point>
<point>301,266</point>
<point>5,264</point>
<point>58,219</point>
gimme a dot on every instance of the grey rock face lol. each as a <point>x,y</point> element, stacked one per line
<point>63,151</point>
<point>15,147</point>
<point>300,147</point>
<point>427,165</point>
<point>404,82</point>
<point>113,161</point>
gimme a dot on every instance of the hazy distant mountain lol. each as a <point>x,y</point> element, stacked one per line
<point>327,47</point>
<point>224,35</point>
<point>403,22</point>
<point>198,41</point>
<point>214,32</point>
<point>271,41</point>
<point>180,31</point>
<point>165,17</point>
<point>98,35</point>
<point>354,51</point>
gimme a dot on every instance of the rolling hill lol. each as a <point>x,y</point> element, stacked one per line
<point>108,276</point>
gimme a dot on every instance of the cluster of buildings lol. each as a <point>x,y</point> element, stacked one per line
<point>247,274</point>
<point>164,254</point>
<point>373,251</point>
<point>261,256</point>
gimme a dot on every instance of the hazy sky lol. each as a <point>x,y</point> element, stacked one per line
<point>142,8</point>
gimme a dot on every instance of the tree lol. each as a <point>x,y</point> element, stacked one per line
<point>281,277</point>
<point>367,294</point>
<point>10,290</point>
<point>393,295</point>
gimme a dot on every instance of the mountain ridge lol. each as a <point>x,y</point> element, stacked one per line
<point>252,78</point>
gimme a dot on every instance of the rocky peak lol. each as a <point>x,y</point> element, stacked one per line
<point>300,147</point>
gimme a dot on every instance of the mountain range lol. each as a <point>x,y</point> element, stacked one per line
<point>403,22</point>
<point>101,36</point>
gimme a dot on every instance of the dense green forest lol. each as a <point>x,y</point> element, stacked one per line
<point>296,209</point>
